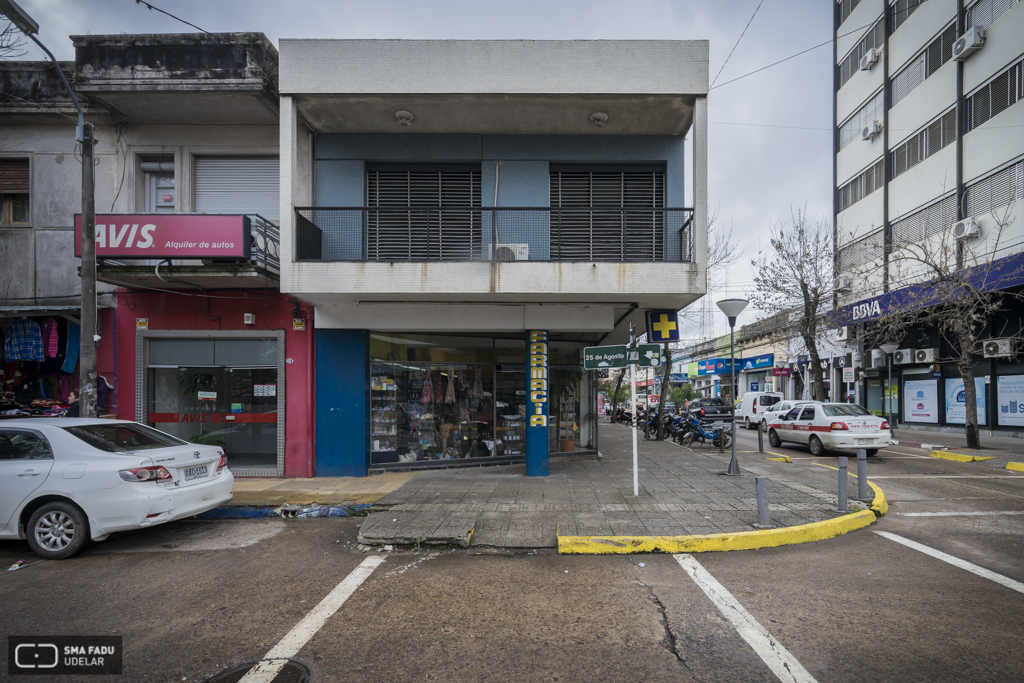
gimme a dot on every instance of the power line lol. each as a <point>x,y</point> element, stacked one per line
<point>742,33</point>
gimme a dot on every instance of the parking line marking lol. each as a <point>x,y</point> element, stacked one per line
<point>959,514</point>
<point>272,663</point>
<point>945,476</point>
<point>956,561</point>
<point>783,664</point>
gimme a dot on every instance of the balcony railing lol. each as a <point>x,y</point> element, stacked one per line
<point>417,234</point>
<point>266,243</point>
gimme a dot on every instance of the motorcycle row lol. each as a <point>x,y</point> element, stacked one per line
<point>683,427</point>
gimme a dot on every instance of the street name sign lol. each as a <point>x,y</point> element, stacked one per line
<point>601,357</point>
<point>649,355</point>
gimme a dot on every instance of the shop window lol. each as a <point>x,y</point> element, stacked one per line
<point>14,192</point>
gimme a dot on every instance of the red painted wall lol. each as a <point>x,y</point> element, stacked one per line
<point>221,310</point>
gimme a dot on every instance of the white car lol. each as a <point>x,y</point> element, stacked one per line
<point>66,480</point>
<point>773,412</point>
<point>823,426</point>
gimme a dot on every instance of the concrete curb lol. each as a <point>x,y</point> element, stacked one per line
<point>782,458</point>
<point>959,457</point>
<point>1015,466</point>
<point>743,540</point>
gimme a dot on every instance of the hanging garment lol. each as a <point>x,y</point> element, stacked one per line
<point>449,394</point>
<point>478,384</point>
<point>102,388</point>
<point>24,341</point>
<point>74,346</point>
<point>428,389</point>
<point>50,338</point>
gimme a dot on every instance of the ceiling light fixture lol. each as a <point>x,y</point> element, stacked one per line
<point>599,119</point>
<point>404,117</point>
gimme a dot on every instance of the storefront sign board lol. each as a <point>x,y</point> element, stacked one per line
<point>780,372</point>
<point>154,235</point>
<point>921,401</point>
<point>1010,400</point>
<point>537,404</point>
<point>663,326</point>
<point>956,400</point>
<point>598,357</point>
<point>763,361</point>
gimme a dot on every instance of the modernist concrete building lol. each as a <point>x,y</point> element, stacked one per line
<point>443,203</point>
<point>929,135</point>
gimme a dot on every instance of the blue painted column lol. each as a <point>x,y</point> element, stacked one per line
<point>537,403</point>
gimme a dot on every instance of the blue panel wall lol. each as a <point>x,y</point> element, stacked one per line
<point>342,182</point>
<point>520,184</point>
<point>342,400</point>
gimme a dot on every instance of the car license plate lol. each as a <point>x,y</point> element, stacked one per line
<point>861,442</point>
<point>196,472</point>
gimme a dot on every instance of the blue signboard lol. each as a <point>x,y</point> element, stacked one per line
<point>662,326</point>
<point>678,377</point>
<point>537,405</point>
<point>714,366</point>
<point>763,361</point>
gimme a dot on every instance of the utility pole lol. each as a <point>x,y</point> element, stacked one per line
<point>87,372</point>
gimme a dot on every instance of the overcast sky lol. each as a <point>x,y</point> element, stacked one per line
<point>770,142</point>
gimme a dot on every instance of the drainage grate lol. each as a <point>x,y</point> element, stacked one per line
<point>291,672</point>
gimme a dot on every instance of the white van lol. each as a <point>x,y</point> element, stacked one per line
<point>752,406</point>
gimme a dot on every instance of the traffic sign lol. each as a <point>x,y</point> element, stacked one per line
<point>649,355</point>
<point>662,326</point>
<point>600,357</point>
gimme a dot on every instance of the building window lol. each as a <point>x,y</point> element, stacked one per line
<point>938,52</point>
<point>995,97</point>
<point>984,12</point>
<point>921,145</point>
<point>925,223</point>
<point>872,111</point>
<point>843,10</point>
<point>862,185</point>
<point>14,181</point>
<point>861,254</point>
<point>851,64</point>
<point>995,191</point>
<point>246,185</point>
<point>900,11</point>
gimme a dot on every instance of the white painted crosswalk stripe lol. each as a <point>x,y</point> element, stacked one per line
<point>783,664</point>
<point>289,646</point>
<point>960,513</point>
<point>956,561</point>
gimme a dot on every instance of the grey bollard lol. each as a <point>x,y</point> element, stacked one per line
<point>862,474</point>
<point>760,439</point>
<point>764,521</point>
<point>843,461</point>
<point>721,439</point>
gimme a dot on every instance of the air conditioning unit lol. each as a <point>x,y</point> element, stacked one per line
<point>511,252</point>
<point>903,357</point>
<point>844,283</point>
<point>999,348</point>
<point>926,355</point>
<point>966,228</point>
<point>869,59</point>
<point>871,131</point>
<point>968,43</point>
<point>843,334</point>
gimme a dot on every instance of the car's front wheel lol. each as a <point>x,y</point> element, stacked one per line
<point>773,438</point>
<point>746,422</point>
<point>57,531</point>
<point>871,451</point>
<point>817,448</point>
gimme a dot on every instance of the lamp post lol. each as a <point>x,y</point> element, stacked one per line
<point>83,134</point>
<point>732,308</point>
<point>779,364</point>
<point>888,350</point>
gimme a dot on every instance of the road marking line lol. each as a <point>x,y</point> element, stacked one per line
<point>946,476</point>
<point>783,664</point>
<point>956,562</point>
<point>958,514</point>
<point>294,640</point>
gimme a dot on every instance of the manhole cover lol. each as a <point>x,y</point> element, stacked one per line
<point>291,672</point>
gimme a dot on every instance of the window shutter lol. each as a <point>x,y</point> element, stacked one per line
<point>14,176</point>
<point>238,185</point>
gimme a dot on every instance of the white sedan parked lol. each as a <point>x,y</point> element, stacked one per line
<point>66,480</point>
<point>823,426</point>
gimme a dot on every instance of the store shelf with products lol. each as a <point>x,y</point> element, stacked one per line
<point>510,411</point>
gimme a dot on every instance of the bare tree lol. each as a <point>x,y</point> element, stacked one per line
<point>12,43</point>
<point>955,287</point>
<point>796,275</point>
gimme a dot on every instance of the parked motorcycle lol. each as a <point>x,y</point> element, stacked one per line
<point>704,432</point>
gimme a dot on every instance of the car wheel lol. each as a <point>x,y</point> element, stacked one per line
<point>57,531</point>
<point>746,422</point>
<point>817,449</point>
<point>872,451</point>
<point>773,438</point>
<point>764,424</point>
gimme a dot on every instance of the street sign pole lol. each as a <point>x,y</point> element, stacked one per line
<point>632,384</point>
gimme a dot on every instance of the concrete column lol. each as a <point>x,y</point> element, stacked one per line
<point>538,399</point>
<point>291,193</point>
<point>700,188</point>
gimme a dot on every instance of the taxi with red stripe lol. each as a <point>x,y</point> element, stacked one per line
<point>824,426</point>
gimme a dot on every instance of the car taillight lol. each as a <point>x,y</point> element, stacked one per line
<point>702,412</point>
<point>839,426</point>
<point>146,474</point>
<point>885,425</point>
<point>755,409</point>
<point>222,463</point>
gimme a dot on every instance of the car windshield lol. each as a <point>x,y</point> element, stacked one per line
<point>121,437</point>
<point>845,410</point>
<point>714,402</point>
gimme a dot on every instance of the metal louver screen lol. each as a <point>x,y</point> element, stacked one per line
<point>238,185</point>
<point>450,232</point>
<point>996,191</point>
<point>861,255</point>
<point>618,228</point>
<point>929,221</point>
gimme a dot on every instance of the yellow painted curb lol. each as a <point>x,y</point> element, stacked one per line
<point>783,458</point>
<point>959,457</point>
<point>1018,466</point>
<point>743,540</point>
<point>879,505</point>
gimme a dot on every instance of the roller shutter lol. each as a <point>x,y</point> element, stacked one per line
<point>238,185</point>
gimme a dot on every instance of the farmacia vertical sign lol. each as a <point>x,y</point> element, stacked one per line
<point>537,404</point>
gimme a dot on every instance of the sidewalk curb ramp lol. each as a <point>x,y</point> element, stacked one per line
<point>959,457</point>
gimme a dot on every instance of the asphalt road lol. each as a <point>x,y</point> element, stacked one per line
<point>191,598</point>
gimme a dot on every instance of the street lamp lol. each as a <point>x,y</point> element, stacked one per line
<point>888,350</point>
<point>83,134</point>
<point>732,308</point>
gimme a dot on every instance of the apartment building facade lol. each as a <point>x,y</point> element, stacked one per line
<point>929,154</point>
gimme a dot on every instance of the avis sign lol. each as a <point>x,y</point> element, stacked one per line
<point>152,235</point>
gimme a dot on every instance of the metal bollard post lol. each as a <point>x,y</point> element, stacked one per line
<point>862,474</point>
<point>842,485</point>
<point>721,439</point>
<point>764,521</point>
<point>760,440</point>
